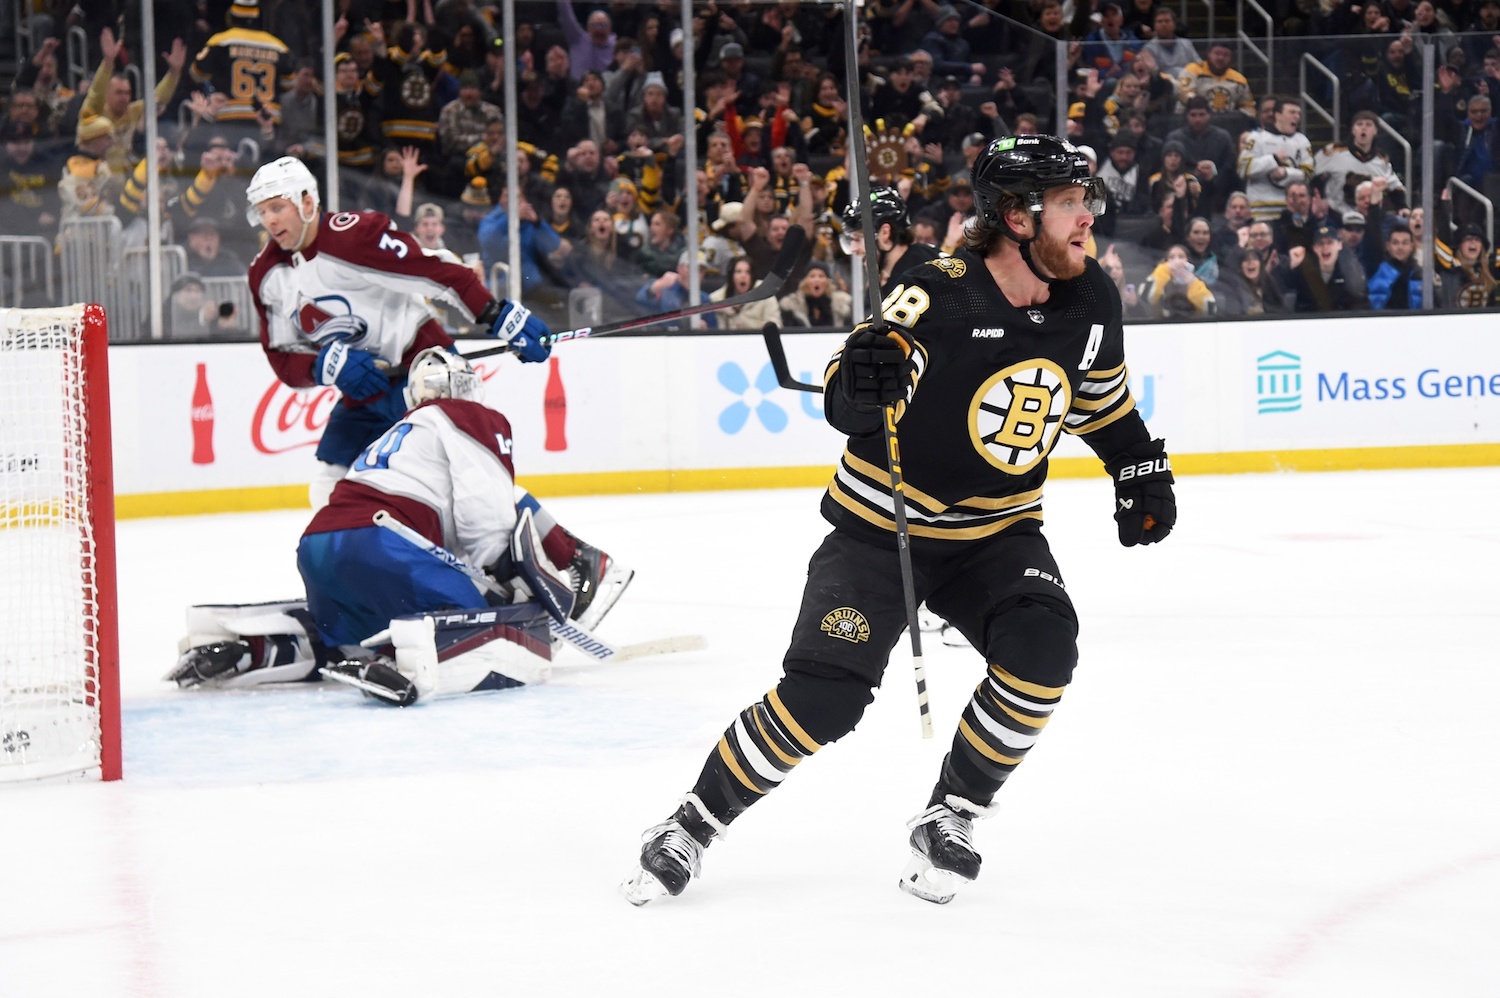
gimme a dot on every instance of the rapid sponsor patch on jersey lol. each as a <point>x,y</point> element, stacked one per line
<point>846,623</point>
<point>1015,416</point>
<point>988,333</point>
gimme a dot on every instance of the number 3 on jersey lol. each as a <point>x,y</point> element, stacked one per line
<point>905,305</point>
<point>378,455</point>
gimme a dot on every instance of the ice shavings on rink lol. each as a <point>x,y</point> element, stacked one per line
<point>1272,778</point>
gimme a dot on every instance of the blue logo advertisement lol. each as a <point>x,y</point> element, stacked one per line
<point>1278,382</point>
<point>750,399</point>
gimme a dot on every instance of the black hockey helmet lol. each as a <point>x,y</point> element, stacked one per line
<point>1027,166</point>
<point>886,205</point>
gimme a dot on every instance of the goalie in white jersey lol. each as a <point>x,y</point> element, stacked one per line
<point>445,471</point>
<point>341,301</point>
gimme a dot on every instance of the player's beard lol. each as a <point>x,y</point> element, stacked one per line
<point>1054,256</point>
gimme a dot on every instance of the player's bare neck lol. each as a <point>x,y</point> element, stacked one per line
<point>1020,286</point>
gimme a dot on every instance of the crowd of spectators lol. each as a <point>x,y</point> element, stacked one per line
<point>1219,202</point>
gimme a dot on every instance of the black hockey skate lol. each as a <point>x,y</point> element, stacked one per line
<point>209,662</point>
<point>598,582</point>
<point>943,857</point>
<point>376,678</point>
<point>672,853</point>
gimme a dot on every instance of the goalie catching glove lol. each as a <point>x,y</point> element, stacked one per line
<point>1145,508</point>
<point>525,333</point>
<point>874,367</point>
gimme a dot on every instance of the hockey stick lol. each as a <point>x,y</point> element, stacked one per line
<point>572,632</point>
<point>786,261</point>
<point>772,334</point>
<point>861,165</point>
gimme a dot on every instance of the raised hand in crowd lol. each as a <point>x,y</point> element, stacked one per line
<point>411,162</point>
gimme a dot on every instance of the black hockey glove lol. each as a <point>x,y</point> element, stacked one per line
<point>874,367</point>
<point>1145,508</point>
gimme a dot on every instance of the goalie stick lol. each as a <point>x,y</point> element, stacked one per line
<point>860,158</point>
<point>572,632</point>
<point>786,261</point>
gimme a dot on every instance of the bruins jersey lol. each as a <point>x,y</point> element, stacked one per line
<point>247,66</point>
<point>991,387</point>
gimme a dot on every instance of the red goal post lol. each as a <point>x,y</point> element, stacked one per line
<point>59,630</point>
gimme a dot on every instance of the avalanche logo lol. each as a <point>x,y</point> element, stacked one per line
<point>1015,416</point>
<point>313,312</point>
<point>750,399</point>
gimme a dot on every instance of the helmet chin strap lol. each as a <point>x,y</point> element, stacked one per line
<point>1024,245</point>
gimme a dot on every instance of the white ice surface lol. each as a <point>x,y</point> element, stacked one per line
<point>1275,774</point>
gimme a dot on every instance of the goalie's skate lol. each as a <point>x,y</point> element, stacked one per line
<point>376,678</point>
<point>598,583</point>
<point>943,857</point>
<point>209,662</point>
<point>672,853</point>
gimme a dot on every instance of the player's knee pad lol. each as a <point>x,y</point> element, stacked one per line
<point>1034,640</point>
<point>827,701</point>
<point>469,651</point>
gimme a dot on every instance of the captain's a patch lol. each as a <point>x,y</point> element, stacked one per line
<point>848,624</point>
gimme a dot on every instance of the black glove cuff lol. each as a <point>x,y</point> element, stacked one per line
<point>485,321</point>
<point>1145,462</point>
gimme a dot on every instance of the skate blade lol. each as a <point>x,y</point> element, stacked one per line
<point>922,879</point>
<point>642,888</point>
<point>376,692</point>
<point>616,579</point>
<point>953,638</point>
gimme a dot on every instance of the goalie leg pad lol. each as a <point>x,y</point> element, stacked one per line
<point>245,644</point>
<point>469,651</point>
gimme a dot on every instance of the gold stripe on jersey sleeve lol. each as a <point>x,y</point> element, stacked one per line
<point>1103,401</point>
<point>982,747</point>
<point>1113,372</point>
<point>727,754</point>
<point>809,744</point>
<point>1102,422</point>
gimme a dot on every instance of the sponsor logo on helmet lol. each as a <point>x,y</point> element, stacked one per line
<point>848,624</point>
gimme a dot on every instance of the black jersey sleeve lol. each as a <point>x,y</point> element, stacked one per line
<point>1103,413</point>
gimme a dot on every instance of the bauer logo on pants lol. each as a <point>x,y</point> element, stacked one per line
<point>847,623</point>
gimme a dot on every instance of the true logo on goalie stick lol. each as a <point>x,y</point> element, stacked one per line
<point>846,623</point>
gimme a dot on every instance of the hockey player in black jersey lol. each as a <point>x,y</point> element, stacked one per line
<point>987,355</point>
<point>892,240</point>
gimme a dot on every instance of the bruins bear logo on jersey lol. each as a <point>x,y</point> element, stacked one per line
<point>986,413</point>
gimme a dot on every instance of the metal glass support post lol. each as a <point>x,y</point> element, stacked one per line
<point>512,171</point>
<point>1429,217</point>
<point>330,116</point>
<point>690,150</point>
<point>153,176</point>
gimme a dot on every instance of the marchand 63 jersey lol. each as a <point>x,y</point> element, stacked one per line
<point>992,387</point>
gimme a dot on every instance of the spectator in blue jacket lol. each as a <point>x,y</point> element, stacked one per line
<point>1397,282</point>
<point>538,239</point>
<point>669,292</point>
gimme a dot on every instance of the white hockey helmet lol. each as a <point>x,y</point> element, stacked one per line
<point>439,374</point>
<point>287,177</point>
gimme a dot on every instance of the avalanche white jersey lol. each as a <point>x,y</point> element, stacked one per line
<point>1258,150</point>
<point>361,265</point>
<point>445,470</point>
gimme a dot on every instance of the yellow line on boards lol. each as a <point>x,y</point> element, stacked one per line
<point>716,479</point>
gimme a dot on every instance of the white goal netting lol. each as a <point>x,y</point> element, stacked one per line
<point>56,547</point>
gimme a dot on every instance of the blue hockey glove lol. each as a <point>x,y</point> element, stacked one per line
<point>523,331</point>
<point>1145,507</point>
<point>354,372</point>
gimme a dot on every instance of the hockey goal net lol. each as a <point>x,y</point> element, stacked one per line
<point>59,691</point>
